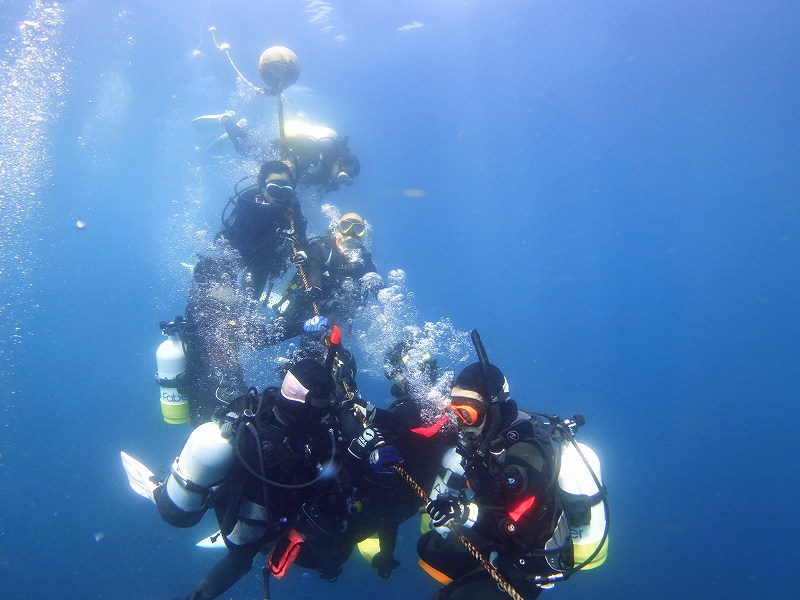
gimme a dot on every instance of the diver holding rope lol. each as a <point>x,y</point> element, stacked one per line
<point>521,507</point>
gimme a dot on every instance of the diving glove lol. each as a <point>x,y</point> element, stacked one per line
<point>316,324</point>
<point>361,447</point>
<point>371,448</point>
<point>450,509</point>
<point>298,258</point>
<point>383,458</point>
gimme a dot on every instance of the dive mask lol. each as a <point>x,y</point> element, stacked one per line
<point>352,228</point>
<point>278,190</point>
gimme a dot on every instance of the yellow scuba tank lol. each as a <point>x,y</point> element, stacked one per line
<point>575,479</point>
<point>171,363</point>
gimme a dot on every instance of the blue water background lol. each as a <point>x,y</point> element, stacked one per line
<point>611,198</point>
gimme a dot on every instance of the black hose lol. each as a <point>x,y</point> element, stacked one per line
<point>286,486</point>
<point>603,495</point>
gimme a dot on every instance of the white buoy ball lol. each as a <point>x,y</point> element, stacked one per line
<point>279,67</point>
<point>80,224</point>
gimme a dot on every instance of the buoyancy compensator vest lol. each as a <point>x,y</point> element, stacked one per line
<point>580,519</point>
<point>576,533</point>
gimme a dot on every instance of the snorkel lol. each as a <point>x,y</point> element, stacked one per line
<point>495,412</point>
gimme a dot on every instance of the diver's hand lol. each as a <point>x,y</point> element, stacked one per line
<point>447,510</point>
<point>298,258</point>
<point>316,324</point>
<point>361,447</point>
<point>383,458</point>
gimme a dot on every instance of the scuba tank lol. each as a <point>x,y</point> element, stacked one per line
<point>171,363</point>
<point>584,504</point>
<point>453,479</point>
<point>204,462</point>
<point>451,482</point>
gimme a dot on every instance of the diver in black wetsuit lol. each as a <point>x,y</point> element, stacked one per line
<point>321,160</point>
<point>339,277</point>
<point>506,501</point>
<point>260,234</point>
<point>283,451</point>
<point>415,424</point>
<point>413,430</point>
<point>266,224</point>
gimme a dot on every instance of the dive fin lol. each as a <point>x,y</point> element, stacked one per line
<point>213,541</point>
<point>209,120</point>
<point>368,548</point>
<point>217,141</point>
<point>141,479</point>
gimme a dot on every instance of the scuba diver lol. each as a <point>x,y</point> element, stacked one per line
<point>508,495</point>
<point>265,224</point>
<point>338,275</point>
<point>269,456</point>
<point>329,527</point>
<point>416,425</point>
<point>413,431</point>
<point>322,157</point>
<point>262,230</point>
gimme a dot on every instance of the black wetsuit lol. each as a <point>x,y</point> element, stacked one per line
<point>221,318</point>
<point>314,158</point>
<point>334,278</point>
<point>388,500</point>
<point>381,501</point>
<point>516,491</point>
<point>290,454</point>
<point>260,231</point>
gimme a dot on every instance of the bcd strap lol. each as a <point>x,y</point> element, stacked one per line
<point>206,493</point>
<point>579,506</point>
<point>517,431</point>
<point>171,382</point>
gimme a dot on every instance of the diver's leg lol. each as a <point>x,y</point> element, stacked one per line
<point>225,573</point>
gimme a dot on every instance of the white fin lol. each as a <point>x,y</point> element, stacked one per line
<point>214,145</point>
<point>140,477</point>
<point>212,541</point>
<point>208,120</point>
